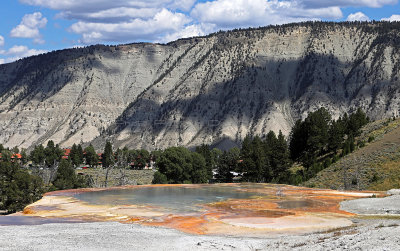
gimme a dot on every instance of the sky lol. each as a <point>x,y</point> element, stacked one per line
<point>30,27</point>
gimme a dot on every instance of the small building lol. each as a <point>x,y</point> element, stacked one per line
<point>67,152</point>
<point>16,157</point>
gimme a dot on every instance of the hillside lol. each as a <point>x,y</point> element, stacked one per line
<point>373,167</point>
<point>214,89</point>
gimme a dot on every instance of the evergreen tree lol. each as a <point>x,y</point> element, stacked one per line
<point>224,169</point>
<point>108,156</point>
<point>317,124</point>
<point>66,177</point>
<point>298,140</point>
<point>80,154</point>
<point>205,151</point>
<point>17,187</point>
<point>38,155</point>
<point>6,155</point>
<point>309,139</point>
<point>336,135</point>
<point>280,160</point>
<point>255,164</point>
<point>24,156</point>
<point>15,150</point>
<point>199,169</point>
<point>91,156</point>
<point>73,155</point>
<point>53,153</point>
<point>356,121</point>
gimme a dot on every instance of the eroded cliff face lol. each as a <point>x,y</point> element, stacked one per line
<point>213,89</point>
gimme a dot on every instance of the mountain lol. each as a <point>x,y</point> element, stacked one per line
<point>214,89</point>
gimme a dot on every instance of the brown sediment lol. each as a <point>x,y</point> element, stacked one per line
<point>277,209</point>
<point>187,224</point>
<point>28,210</point>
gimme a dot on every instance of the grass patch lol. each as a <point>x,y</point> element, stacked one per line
<point>302,244</point>
<point>378,217</point>
<point>130,177</point>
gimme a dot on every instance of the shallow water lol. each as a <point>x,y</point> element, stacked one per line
<point>176,199</point>
<point>296,204</point>
<point>31,220</point>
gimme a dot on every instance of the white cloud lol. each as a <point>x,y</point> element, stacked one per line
<point>1,41</point>
<point>121,20</point>
<point>2,61</point>
<point>17,52</point>
<point>166,20</point>
<point>233,13</point>
<point>393,18</point>
<point>90,6</point>
<point>110,15</point>
<point>347,3</point>
<point>29,27</point>
<point>358,16</point>
<point>189,31</point>
<point>163,22</point>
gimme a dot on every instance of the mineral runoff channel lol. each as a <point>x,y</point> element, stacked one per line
<point>245,210</point>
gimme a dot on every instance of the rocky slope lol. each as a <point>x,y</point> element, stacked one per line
<point>213,89</point>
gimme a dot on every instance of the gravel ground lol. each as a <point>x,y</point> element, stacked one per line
<point>373,206</point>
<point>365,235</point>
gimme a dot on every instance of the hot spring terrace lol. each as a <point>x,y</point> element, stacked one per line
<point>220,209</point>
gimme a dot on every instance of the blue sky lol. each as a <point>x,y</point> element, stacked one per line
<point>30,27</point>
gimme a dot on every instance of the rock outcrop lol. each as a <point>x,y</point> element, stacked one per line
<point>214,89</point>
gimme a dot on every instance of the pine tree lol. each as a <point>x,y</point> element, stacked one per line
<point>38,155</point>
<point>108,156</point>
<point>91,156</point>
<point>17,187</point>
<point>53,153</point>
<point>298,140</point>
<point>336,135</point>
<point>281,159</point>
<point>80,154</point>
<point>309,139</point>
<point>66,177</point>
<point>73,155</point>
<point>205,151</point>
<point>255,164</point>
<point>356,121</point>
<point>224,169</point>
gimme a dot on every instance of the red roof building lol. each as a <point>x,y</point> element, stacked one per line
<point>66,153</point>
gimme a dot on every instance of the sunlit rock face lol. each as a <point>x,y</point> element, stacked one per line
<point>223,209</point>
<point>214,89</point>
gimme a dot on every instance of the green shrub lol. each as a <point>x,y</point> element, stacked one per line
<point>159,178</point>
<point>17,187</point>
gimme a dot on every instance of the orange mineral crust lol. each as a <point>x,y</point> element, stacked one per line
<point>222,209</point>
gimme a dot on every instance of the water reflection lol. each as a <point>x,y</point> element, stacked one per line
<point>31,220</point>
<point>297,204</point>
<point>177,199</point>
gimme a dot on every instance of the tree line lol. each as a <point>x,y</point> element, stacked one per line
<point>314,143</point>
